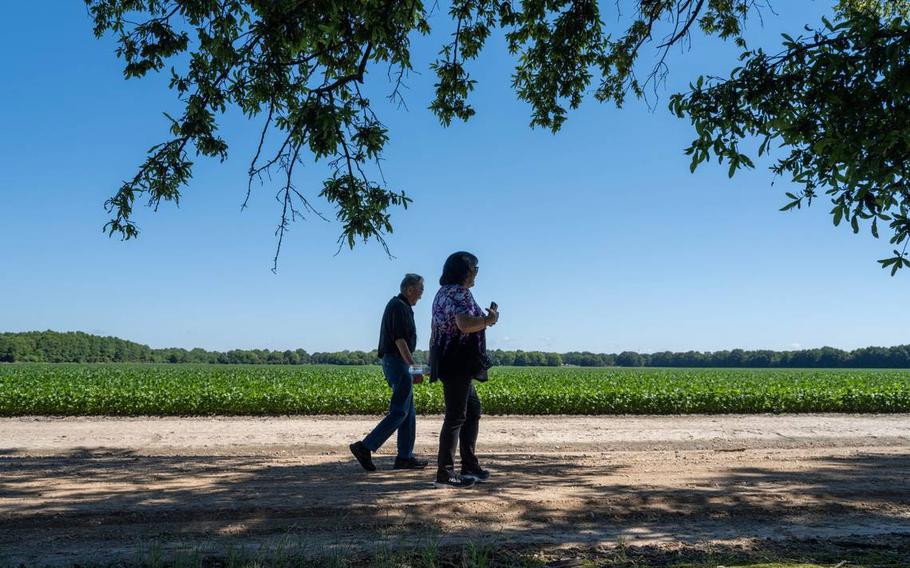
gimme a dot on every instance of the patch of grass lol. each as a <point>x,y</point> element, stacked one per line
<point>886,552</point>
<point>889,552</point>
<point>485,556</point>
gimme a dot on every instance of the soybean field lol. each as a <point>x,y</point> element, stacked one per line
<point>135,390</point>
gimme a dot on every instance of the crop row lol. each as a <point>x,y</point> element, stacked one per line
<point>125,390</point>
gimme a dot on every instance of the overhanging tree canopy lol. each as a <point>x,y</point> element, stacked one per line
<point>836,99</point>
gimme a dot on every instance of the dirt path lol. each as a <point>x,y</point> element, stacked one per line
<point>77,490</point>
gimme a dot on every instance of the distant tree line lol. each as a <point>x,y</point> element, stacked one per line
<point>78,347</point>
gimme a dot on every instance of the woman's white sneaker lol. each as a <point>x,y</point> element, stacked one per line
<point>478,475</point>
<point>453,481</point>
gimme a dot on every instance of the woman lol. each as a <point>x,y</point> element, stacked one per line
<point>457,357</point>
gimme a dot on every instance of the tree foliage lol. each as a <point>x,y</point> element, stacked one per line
<point>298,68</point>
<point>837,101</point>
<point>78,347</point>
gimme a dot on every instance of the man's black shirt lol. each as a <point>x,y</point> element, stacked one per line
<point>397,323</point>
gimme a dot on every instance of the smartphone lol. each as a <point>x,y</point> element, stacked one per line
<point>494,306</point>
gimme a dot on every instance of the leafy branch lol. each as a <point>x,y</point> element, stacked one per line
<point>838,102</point>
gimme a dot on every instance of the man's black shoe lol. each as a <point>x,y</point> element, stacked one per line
<point>479,475</point>
<point>409,463</point>
<point>363,455</point>
<point>453,481</point>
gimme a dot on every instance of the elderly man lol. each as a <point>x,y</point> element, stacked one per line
<point>397,341</point>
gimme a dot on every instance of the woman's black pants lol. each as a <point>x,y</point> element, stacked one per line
<point>459,427</point>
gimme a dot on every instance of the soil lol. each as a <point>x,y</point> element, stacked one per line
<point>105,490</point>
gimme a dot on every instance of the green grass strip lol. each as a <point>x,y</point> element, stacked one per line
<point>130,390</point>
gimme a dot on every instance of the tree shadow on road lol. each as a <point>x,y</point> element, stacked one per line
<point>93,499</point>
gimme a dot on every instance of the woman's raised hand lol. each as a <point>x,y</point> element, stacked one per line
<point>492,317</point>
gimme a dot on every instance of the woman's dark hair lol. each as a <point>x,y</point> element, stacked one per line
<point>457,267</point>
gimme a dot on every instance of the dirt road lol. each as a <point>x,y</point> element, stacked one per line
<point>101,490</point>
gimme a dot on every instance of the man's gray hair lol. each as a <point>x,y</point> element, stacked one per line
<point>409,280</point>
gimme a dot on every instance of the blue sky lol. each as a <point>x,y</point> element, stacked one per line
<point>597,238</point>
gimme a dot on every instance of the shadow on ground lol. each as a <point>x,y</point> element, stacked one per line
<point>104,504</point>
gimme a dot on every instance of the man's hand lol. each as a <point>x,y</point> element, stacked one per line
<point>492,317</point>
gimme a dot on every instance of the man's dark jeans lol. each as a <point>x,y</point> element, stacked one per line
<point>460,425</point>
<point>401,414</point>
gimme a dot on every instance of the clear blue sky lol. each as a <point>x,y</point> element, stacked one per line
<point>597,238</point>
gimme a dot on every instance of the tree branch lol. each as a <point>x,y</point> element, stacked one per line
<point>358,76</point>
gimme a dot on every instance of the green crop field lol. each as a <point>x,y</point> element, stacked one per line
<point>124,390</point>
